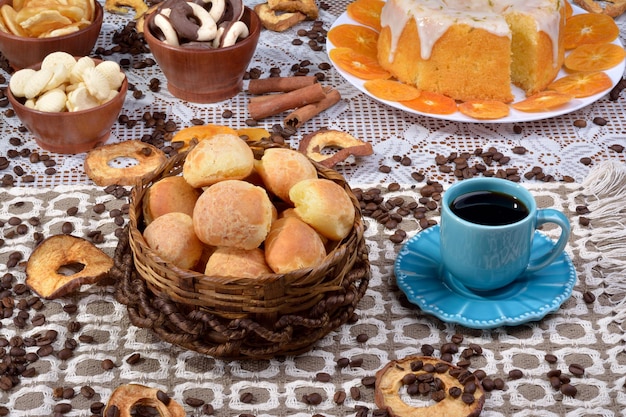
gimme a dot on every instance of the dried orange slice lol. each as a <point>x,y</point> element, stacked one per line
<point>484,109</point>
<point>582,84</point>
<point>433,103</point>
<point>391,90</point>
<point>594,57</point>
<point>542,101</point>
<point>366,12</point>
<point>198,133</point>
<point>361,39</point>
<point>359,65</point>
<point>589,28</point>
<point>253,133</point>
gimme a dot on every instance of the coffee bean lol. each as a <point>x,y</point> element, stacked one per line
<point>582,209</point>
<point>576,369</point>
<point>207,409</point>
<point>588,297</point>
<point>355,393</point>
<point>427,350</point>
<point>323,377</point>
<point>368,381</point>
<point>87,392</point>
<point>64,354</point>
<point>97,407</point>
<point>339,397</point>
<point>617,148</point>
<point>488,384</point>
<point>45,351</point>
<point>550,358</point>
<point>480,374</point>
<point>362,338</point>
<point>515,374</point>
<point>62,408</point>
<point>585,161</point>
<point>555,382</point>
<point>163,397</point>
<point>246,397</point>
<point>312,399</point>
<point>68,393</point>
<point>569,390</point>
<point>112,411</point>
<point>600,121</point>
<point>107,364</point>
<point>343,362</point>
<point>194,402</point>
<point>580,123</point>
<point>467,398</point>
<point>67,228</point>
<point>99,208</point>
<point>499,383</point>
<point>478,350</point>
<point>356,362</point>
<point>133,359</point>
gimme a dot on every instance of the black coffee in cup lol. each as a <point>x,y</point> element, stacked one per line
<point>489,208</point>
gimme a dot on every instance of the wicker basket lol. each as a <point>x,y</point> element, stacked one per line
<point>238,318</point>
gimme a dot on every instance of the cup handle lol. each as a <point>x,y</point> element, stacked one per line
<point>557,217</point>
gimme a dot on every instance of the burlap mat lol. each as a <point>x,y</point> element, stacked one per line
<point>96,330</point>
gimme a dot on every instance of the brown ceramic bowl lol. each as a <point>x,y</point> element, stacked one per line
<point>22,52</point>
<point>203,75</point>
<point>70,132</point>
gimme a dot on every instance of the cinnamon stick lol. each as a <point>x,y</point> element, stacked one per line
<point>278,103</point>
<point>279,84</point>
<point>305,113</point>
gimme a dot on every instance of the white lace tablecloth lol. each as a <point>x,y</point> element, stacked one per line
<point>102,341</point>
<point>554,144</point>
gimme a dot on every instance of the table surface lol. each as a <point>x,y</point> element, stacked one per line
<point>556,144</point>
<point>590,334</point>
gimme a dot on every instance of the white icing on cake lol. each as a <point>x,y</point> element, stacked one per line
<point>434,17</point>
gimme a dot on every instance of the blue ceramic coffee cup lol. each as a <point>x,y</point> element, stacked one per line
<point>487,229</point>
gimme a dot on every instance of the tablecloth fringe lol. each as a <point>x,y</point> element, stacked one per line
<point>605,190</point>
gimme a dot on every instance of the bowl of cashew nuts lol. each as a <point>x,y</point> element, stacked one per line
<point>203,47</point>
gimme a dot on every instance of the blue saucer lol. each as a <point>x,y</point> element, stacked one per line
<point>420,276</point>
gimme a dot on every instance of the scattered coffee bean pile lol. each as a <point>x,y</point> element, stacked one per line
<point>314,38</point>
<point>391,212</point>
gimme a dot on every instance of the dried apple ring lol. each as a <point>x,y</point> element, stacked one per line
<point>314,143</point>
<point>452,391</point>
<point>126,397</point>
<point>99,167</point>
<point>45,264</point>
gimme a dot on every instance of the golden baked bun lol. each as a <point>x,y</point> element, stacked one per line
<point>292,244</point>
<point>172,237</point>
<point>281,168</point>
<point>233,213</point>
<point>169,194</point>
<point>221,157</point>
<point>325,206</point>
<point>235,262</point>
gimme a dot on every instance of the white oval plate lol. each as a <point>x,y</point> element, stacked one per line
<point>515,116</point>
